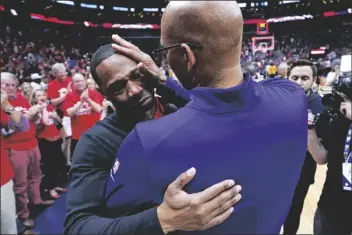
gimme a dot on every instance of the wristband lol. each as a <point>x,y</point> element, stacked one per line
<point>59,126</point>
<point>10,111</point>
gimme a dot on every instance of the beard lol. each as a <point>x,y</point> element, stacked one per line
<point>136,107</point>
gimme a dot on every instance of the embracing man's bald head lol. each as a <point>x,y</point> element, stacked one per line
<point>216,25</point>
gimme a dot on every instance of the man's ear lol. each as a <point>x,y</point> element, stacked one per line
<point>190,57</point>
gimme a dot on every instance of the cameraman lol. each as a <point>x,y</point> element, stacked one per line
<point>304,73</point>
<point>334,212</point>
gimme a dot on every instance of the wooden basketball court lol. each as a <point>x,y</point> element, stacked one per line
<point>310,204</point>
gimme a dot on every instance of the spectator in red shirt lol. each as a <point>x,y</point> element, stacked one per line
<point>49,133</point>
<point>83,105</point>
<point>16,121</point>
<point>24,154</point>
<point>60,86</point>
<point>57,91</point>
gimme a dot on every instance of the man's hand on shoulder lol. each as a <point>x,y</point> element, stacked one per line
<point>198,211</point>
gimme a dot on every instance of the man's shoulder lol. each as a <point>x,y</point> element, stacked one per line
<point>102,139</point>
<point>52,83</point>
<point>153,132</point>
<point>279,82</point>
<point>107,127</point>
<point>285,87</point>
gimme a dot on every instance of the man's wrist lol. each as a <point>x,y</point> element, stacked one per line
<point>162,79</point>
<point>163,219</point>
<point>8,109</point>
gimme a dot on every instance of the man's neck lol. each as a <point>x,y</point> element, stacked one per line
<point>228,77</point>
<point>149,115</point>
<point>61,80</point>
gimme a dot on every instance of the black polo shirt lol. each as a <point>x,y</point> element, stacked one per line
<point>310,166</point>
<point>91,163</point>
<point>333,199</point>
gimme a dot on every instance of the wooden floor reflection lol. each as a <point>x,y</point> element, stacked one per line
<point>310,203</point>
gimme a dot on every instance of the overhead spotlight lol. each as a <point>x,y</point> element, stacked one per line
<point>132,9</point>
<point>252,4</point>
<point>162,9</point>
<point>86,23</point>
<point>13,12</point>
<point>101,7</point>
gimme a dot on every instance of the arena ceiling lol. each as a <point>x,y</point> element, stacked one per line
<point>95,13</point>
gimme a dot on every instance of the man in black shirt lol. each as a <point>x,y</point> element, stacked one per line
<point>132,95</point>
<point>334,212</point>
<point>304,73</point>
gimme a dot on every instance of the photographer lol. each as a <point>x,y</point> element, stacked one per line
<point>334,212</point>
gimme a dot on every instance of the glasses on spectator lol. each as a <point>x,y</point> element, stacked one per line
<point>161,53</point>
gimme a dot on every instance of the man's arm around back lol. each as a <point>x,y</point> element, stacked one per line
<point>86,198</point>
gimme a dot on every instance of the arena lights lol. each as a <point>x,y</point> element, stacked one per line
<point>136,26</point>
<point>13,12</point>
<point>162,9</point>
<point>71,3</point>
<point>334,13</point>
<point>289,18</point>
<point>121,9</point>
<point>289,1</point>
<point>50,19</point>
<point>242,4</point>
<point>92,6</point>
<point>150,9</point>
<point>132,9</point>
<point>317,52</point>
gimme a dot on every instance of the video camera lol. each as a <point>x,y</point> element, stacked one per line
<point>333,101</point>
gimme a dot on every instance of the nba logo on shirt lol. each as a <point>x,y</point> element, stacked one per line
<point>114,169</point>
<point>116,166</point>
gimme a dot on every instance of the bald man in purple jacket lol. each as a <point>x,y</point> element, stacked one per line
<point>233,127</point>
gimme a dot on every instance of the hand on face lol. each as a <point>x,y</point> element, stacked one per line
<point>146,65</point>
